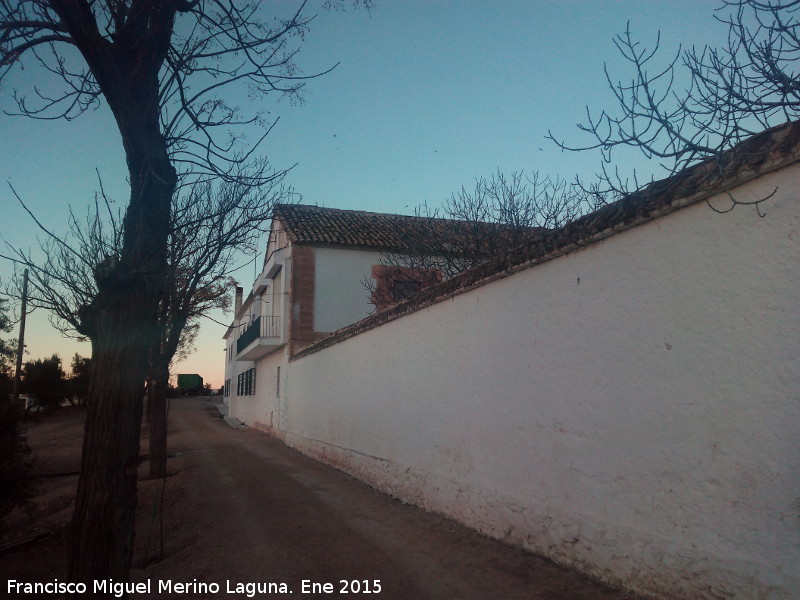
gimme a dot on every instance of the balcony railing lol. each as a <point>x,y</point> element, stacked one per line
<point>268,328</point>
<point>249,335</point>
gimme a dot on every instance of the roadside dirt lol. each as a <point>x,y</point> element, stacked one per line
<point>239,507</point>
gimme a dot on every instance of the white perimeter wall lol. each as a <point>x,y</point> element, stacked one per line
<point>632,409</point>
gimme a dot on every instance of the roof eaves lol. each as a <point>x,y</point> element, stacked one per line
<point>761,154</point>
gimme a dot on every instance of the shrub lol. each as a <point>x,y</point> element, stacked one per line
<point>45,381</point>
<point>16,464</point>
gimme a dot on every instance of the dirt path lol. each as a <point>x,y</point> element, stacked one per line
<point>240,507</point>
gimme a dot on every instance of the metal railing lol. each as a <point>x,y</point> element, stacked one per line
<point>263,326</point>
<point>270,326</point>
<point>248,335</point>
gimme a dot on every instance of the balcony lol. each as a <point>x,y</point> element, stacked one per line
<point>274,264</point>
<point>264,335</point>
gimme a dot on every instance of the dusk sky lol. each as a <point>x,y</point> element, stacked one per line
<point>427,96</point>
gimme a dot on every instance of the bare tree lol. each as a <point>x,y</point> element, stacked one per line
<point>702,102</point>
<point>161,68</point>
<point>6,349</point>
<point>210,228</point>
<point>499,213</point>
<point>210,225</point>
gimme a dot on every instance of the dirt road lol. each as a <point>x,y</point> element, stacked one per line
<point>241,508</point>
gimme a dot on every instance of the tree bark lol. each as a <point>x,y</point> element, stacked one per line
<point>172,321</point>
<point>123,325</point>
<point>157,411</point>
<point>101,531</point>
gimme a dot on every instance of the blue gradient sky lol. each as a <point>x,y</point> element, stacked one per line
<point>427,96</point>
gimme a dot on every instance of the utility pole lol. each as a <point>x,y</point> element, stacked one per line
<point>21,344</point>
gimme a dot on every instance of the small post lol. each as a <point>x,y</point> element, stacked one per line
<point>21,343</point>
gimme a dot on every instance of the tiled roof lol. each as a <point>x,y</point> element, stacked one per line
<point>316,225</point>
<point>763,153</point>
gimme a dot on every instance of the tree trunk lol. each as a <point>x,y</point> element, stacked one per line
<point>122,319</point>
<point>123,325</point>
<point>101,531</point>
<point>157,409</point>
<point>172,321</point>
<point>148,400</point>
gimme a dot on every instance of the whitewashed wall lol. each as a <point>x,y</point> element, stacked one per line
<point>631,409</point>
<point>262,409</point>
<point>340,298</point>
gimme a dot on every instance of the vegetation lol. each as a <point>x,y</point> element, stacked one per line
<point>694,107</point>
<point>208,225</point>
<point>16,487</point>
<point>497,214</point>
<point>701,102</point>
<point>163,70</point>
<point>6,355</point>
<point>45,382</point>
<point>78,381</point>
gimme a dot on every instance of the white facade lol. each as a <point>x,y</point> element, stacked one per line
<point>340,297</point>
<point>261,410</point>
<point>631,409</point>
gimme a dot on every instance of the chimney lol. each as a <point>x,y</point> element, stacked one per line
<point>237,303</point>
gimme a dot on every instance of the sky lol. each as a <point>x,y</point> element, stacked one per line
<point>426,96</point>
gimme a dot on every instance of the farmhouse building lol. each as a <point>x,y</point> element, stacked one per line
<point>619,395</point>
<point>326,268</point>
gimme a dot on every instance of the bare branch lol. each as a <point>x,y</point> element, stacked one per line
<point>703,101</point>
<point>499,213</point>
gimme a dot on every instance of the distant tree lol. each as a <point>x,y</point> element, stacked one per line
<point>701,102</point>
<point>6,383</point>
<point>6,353</point>
<point>16,486</point>
<point>497,214</point>
<point>45,381</point>
<point>79,379</point>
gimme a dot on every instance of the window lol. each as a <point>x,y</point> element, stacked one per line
<point>227,387</point>
<point>278,384</point>
<point>394,284</point>
<point>246,383</point>
<point>404,289</point>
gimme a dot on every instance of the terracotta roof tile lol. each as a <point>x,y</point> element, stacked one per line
<point>773,149</point>
<point>316,225</point>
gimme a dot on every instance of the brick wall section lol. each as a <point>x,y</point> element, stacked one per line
<point>301,295</point>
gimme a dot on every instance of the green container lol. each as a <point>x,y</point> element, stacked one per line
<point>190,381</point>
